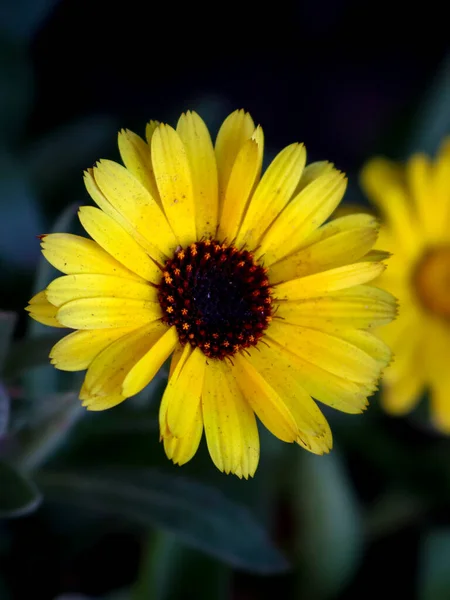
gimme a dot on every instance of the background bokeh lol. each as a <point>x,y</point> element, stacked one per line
<point>89,505</point>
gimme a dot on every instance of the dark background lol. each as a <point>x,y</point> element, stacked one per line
<point>347,78</point>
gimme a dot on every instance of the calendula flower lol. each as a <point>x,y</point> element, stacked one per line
<point>193,256</point>
<point>415,202</point>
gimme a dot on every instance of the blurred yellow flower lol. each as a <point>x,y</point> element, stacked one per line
<point>260,305</point>
<point>415,202</point>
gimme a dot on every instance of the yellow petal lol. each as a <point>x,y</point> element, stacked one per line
<point>272,194</point>
<point>109,368</point>
<point>312,172</point>
<point>202,162</point>
<point>314,431</point>
<point>179,358</point>
<point>264,400</point>
<point>336,251</point>
<point>230,424</point>
<point>401,396</point>
<point>40,309</point>
<point>234,132</point>
<point>150,129</point>
<point>72,287</point>
<point>138,208</point>
<point>369,343</point>
<point>183,394</point>
<point>135,154</point>
<point>117,242</point>
<point>384,185</point>
<point>339,225</point>
<point>108,208</point>
<point>440,206</point>
<point>327,351</point>
<point>181,450</point>
<point>419,179</point>
<point>304,214</point>
<point>174,181</point>
<point>97,403</point>
<point>333,280</point>
<point>147,367</point>
<point>359,307</point>
<point>77,350</point>
<point>337,392</point>
<point>242,180</point>
<point>73,255</point>
<point>101,313</point>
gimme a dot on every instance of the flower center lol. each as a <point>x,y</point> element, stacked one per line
<point>432,281</point>
<point>217,297</point>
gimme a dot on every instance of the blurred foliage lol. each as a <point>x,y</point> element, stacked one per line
<point>79,489</point>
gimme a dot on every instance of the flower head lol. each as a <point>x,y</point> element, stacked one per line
<point>195,256</point>
<point>415,202</point>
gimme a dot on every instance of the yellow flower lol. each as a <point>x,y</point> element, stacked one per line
<point>260,305</point>
<point>415,202</point>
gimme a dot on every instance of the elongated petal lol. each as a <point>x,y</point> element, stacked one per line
<point>184,394</point>
<point>333,390</point>
<point>77,350</point>
<point>108,370</point>
<point>40,309</point>
<point>339,225</point>
<point>333,280</point>
<point>174,181</point>
<point>263,399</point>
<point>312,172</point>
<point>230,425</point>
<point>181,354</point>
<point>305,213</point>
<point>369,343</point>
<point>113,211</point>
<point>384,184</point>
<point>181,450</point>
<point>272,194</point>
<point>72,287</point>
<point>234,132</point>
<point>101,313</point>
<point>359,307</point>
<point>202,162</point>
<point>135,154</point>
<point>150,129</point>
<point>147,367</point>
<point>401,396</point>
<point>418,173</point>
<point>327,351</point>
<point>314,431</point>
<point>243,178</point>
<point>73,255</point>
<point>137,207</point>
<point>336,251</point>
<point>118,243</point>
<point>97,403</point>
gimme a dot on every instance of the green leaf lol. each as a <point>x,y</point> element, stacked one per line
<point>4,410</point>
<point>18,495</point>
<point>16,85</point>
<point>39,443</point>
<point>7,325</point>
<point>432,121</point>
<point>168,569</point>
<point>32,352</point>
<point>434,572</point>
<point>198,514</point>
<point>66,151</point>
<point>21,18</point>
<point>330,529</point>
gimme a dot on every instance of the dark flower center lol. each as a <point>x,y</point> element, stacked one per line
<point>432,281</point>
<point>217,297</point>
